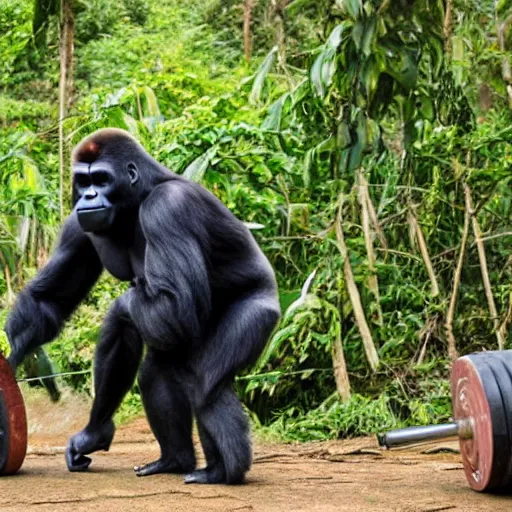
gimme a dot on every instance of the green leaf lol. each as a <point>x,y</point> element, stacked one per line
<point>195,171</point>
<point>263,172</point>
<point>275,344</point>
<point>427,108</point>
<point>324,67</point>
<point>343,161</point>
<point>273,121</point>
<point>370,77</point>
<point>358,33</point>
<point>297,6</point>
<point>260,76</point>
<point>502,6</point>
<point>33,178</point>
<point>402,67</point>
<point>368,36</point>
<point>343,138</point>
<point>131,125</point>
<point>308,163</point>
<point>356,153</point>
<point>354,8</point>
<point>151,101</point>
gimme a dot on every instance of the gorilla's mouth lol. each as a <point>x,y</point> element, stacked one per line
<point>95,209</point>
<point>95,219</point>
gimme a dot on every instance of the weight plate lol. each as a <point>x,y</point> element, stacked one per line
<point>502,363</point>
<point>13,422</point>
<point>495,362</point>
<point>4,432</point>
<point>476,395</point>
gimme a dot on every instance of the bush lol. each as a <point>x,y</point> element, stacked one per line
<point>137,11</point>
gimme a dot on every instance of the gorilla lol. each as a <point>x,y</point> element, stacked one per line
<point>201,305</point>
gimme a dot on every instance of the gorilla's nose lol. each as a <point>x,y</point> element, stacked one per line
<point>91,194</point>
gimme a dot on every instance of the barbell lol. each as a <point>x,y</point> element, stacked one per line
<point>481,389</point>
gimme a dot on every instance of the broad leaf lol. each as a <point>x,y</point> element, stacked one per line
<point>324,67</point>
<point>354,8</point>
<point>275,112</point>
<point>195,171</point>
<point>260,76</point>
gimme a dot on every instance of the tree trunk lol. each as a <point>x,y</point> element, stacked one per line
<point>447,27</point>
<point>248,7</point>
<point>502,28</point>
<point>66,48</point>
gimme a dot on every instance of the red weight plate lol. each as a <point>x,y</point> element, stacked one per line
<point>13,420</point>
<point>476,396</point>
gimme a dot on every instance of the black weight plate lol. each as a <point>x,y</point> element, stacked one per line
<point>503,364</point>
<point>504,381</point>
<point>498,419</point>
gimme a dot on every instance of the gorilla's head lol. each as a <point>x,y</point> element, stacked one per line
<point>112,173</point>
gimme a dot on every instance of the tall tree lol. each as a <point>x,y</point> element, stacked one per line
<point>43,11</point>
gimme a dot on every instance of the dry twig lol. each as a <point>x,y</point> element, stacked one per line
<point>373,283</point>
<point>500,329</point>
<point>418,234</point>
<point>353,293</point>
<point>452,346</point>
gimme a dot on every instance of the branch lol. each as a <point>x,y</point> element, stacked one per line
<point>373,283</point>
<point>353,293</point>
<point>340,369</point>
<point>424,251</point>
<point>500,330</point>
<point>373,214</point>
<point>452,348</point>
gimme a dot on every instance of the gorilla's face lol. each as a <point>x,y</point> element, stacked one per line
<point>101,192</point>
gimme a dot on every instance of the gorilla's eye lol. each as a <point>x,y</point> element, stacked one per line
<point>100,178</point>
<point>82,180</point>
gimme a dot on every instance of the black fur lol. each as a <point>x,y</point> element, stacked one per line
<point>203,300</point>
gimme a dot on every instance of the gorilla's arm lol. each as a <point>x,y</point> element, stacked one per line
<point>172,301</point>
<point>42,307</point>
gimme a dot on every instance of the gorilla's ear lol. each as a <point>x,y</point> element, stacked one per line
<point>133,172</point>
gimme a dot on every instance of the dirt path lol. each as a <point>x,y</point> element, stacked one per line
<point>335,476</point>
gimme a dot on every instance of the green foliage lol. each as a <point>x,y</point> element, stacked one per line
<point>366,88</point>
<point>96,18</point>
<point>225,17</point>
<point>137,11</point>
<point>15,35</point>
<point>362,415</point>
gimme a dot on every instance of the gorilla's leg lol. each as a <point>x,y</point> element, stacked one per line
<point>238,339</point>
<point>169,414</point>
<point>212,455</point>
<point>117,358</point>
<point>228,446</point>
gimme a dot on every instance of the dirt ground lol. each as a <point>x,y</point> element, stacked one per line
<point>335,476</point>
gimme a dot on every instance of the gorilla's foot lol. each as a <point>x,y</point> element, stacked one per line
<point>160,466</point>
<point>209,475</point>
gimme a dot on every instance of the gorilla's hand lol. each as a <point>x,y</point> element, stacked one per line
<point>87,441</point>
